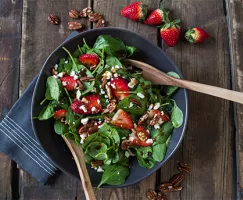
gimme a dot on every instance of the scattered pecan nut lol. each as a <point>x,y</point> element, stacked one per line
<point>125,144</point>
<point>107,119</point>
<point>101,23</point>
<point>184,167</point>
<point>88,129</point>
<point>54,72</point>
<point>177,179</point>
<point>73,14</point>
<point>96,163</point>
<point>85,12</point>
<point>104,81</point>
<point>151,195</point>
<point>111,107</point>
<point>108,91</point>
<point>80,85</point>
<point>53,19</point>
<point>74,25</point>
<point>94,17</point>
<point>177,188</point>
<point>154,120</point>
<point>86,78</point>
<point>166,187</point>
<point>143,118</point>
<point>136,102</point>
<point>161,196</point>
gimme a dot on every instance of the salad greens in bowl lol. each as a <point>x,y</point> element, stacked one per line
<point>127,127</point>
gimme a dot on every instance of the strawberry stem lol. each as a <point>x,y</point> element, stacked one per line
<point>70,55</point>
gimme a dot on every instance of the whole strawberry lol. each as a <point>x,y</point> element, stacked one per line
<point>170,32</point>
<point>136,11</point>
<point>196,35</point>
<point>157,16</point>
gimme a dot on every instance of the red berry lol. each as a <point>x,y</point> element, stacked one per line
<point>89,60</point>
<point>196,35</point>
<point>157,17</point>
<point>119,85</point>
<point>68,82</point>
<point>136,11</point>
<point>122,119</point>
<point>60,114</point>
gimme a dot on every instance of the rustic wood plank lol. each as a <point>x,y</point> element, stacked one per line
<point>209,140</point>
<point>39,39</point>
<point>111,11</point>
<point>10,36</point>
<point>235,16</point>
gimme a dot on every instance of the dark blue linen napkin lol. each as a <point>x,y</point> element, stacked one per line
<point>18,142</point>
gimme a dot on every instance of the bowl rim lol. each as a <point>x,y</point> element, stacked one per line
<point>155,46</point>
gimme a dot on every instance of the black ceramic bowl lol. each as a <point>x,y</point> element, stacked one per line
<point>54,145</point>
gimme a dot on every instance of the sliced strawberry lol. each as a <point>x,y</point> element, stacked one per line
<point>165,117</point>
<point>137,142</point>
<point>141,129</point>
<point>90,105</point>
<point>60,114</point>
<point>141,138</point>
<point>119,85</point>
<point>89,60</point>
<point>122,119</point>
<point>68,82</point>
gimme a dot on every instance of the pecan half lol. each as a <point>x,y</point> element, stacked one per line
<point>177,179</point>
<point>143,118</point>
<point>108,91</point>
<point>135,101</point>
<point>104,81</point>
<point>111,107</point>
<point>177,188</point>
<point>80,85</point>
<point>107,119</point>
<point>86,78</point>
<point>74,25</point>
<point>161,196</point>
<point>85,12</point>
<point>94,17</point>
<point>101,23</point>
<point>184,167</point>
<point>151,195</point>
<point>166,187</point>
<point>125,144</point>
<point>96,163</point>
<point>74,14</point>
<point>54,72</point>
<point>88,129</point>
<point>154,120</point>
<point>53,19</point>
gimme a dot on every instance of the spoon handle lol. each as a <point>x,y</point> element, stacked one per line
<point>78,156</point>
<point>208,89</point>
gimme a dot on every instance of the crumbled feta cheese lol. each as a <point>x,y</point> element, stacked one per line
<point>81,141</point>
<point>66,61</point>
<point>140,95</point>
<point>135,125</point>
<point>98,101</point>
<point>100,169</point>
<point>55,66</point>
<point>132,83</point>
<point>60,74</point>
<point>84,121</point>
<point>83,136</point>
<point>113,70</point>
<point>64,83</point>
<point>102,91</point>
<point>150,106</point>
<point>107,75</point>
<point>93,109</point>
<point>113,86</point>
<point>115,75</point>
<point>117,67</point>
<point>95,168</point>
<point>148,130</point>
<point>156,126</point>
<point>75,77</point>
<point>130,105</point>
<point>85,100</point>
<point>112,79</point>
<point>131,138</point>
<point>149,141</point>
<point>106,96</point>
<point>78,94</point>
<point>93,89</point>
<point>127,154</point>
<point>100,86</point>
<point>156,106</point>
<point>72,73</point>
<point>83,108</point>
<point>54,76</point>
<point>123,138</point>
<point>162,113</point>
<point>95,124</point>
<point>108,83</point>
<point>160,121</point>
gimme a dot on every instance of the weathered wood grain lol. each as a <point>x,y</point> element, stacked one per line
<point>10,36</point>
<point>111,10</point>
<point>39,39</point>
<point>235,16</point>
<point>209,140</point>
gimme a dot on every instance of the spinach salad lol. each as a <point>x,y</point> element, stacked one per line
<point>110,109</point>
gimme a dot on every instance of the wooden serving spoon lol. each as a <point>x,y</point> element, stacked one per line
<point>78,156</point>
<point>160,78</point>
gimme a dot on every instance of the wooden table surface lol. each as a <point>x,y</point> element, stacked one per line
<point>213,141</point>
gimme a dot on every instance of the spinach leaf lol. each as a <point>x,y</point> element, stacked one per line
<point>159,151</point>
<point>161,135</point>
<point>61,65</point>
<point>147,162</point>
<point>130,50</point>
<point>87,158</point>
<point>55,88</point>
<point>88,140</point>
<point>60,128</point>
<point>168,141</point>
<point>115,159</point>
<point>97,150</point>
<point>47,112</point>
<point>114,175</point>
<point>88,85</point>
<point>171,89</point>
<point>71,57</point>
<point>72,119</point>
<point>144,152</point>
<point>123,160</point>
<point>177,116</point>
<point>123,132</point>
<point>113,61</point>
<point>112,46</point>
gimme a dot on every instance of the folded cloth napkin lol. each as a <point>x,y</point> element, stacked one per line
<point>17,139</point>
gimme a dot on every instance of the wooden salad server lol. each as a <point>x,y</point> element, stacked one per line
<point>78,156</point>
<point>160,78</point>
